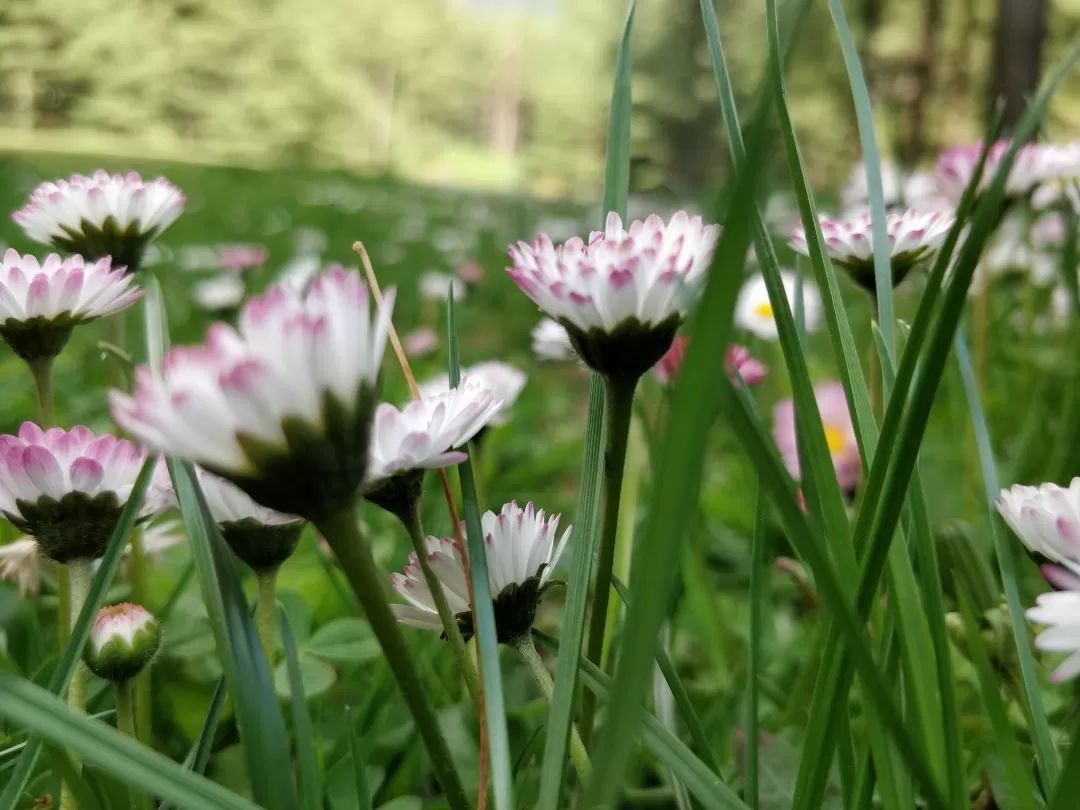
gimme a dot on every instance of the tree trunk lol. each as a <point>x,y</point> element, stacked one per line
<point>925,75</point>
<point>1017,62</point>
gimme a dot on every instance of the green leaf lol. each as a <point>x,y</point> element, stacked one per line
<point>247,676</point>
<point>487,642</point>
<point>779,764</point>
<point>105,748</point>
<point>316,677</point>
<point>310,784</point>
<point>344,641</point>
<point>1068,786</point>
<point>73,652</point>
<point>1045,754</point>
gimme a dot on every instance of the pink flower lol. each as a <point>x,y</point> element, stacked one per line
<point>471,271</point>
<point>667,367</point>
<point>108,211</point>
<point>420,342</point>
<point>751,370</point>
<point>736,359</point>
<point>649,273</point>
<point>237,258</point>
<point>67,488</point>
<point>839,434</point>
<point>1035,163</point>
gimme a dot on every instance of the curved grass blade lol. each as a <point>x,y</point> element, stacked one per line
<point>864,116</point>
<point>934,598</point>
<point>310,784</point>
<point>757,624</point>
<point>561,713</point>
<point>678,689</point>
<point>746,425</point>
<point>1023,790</point>
<point>487,642</point>
<point>363,789</point>
<point>72,654</point>
<point>107,749</point>
<point>1045,754</point>
<point>199,755</point>
<point>258,715</point>
<point>674,501</point>
<point>705,785</point>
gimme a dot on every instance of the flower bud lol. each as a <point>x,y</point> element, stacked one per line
<point>123,641</point>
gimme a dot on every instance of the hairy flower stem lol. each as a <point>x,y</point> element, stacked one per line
<point>342,532</point>
<point>125,722</point>
<point>266,612</point>
<point>465,663</point>
<point>527,650</point>
<point>80,574</point>
<point>619,407</point>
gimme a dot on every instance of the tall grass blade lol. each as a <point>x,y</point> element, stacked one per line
<point>73,652</point>
<point>363,789</point>
<point>1023,790</point>
<point>752,788</point>
<point>310,784</point>
<point>705,785</point>
<point>487,642</point>
<point>1045,754</point>
<point>104,747</point>
<point>586,535</point>
<point>199,755</point>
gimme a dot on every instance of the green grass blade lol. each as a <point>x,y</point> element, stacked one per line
<point>73,778</point>
<point>258,715</point>
<point>487,642</point>
<point>705,785</point>
<point>934,599</point>
<point>310,784</point>
<point>73,652</point>
<point>177,592</point>
<point>678,689</point>
<point>864,116</point>
<point>1068,786</point>
<point>199,755</point>
<point>363,789</point>
<point>105,748</point>
<point>758,573</point>
<point>674,500</point>
<point>617,159</point>
<point>746,425</point>
<point>1023,790</point>
<point>1045,754</point>
<point>561,713</point>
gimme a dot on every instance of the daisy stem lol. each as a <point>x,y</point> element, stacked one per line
<point>619,408</point>
<point>80,573</point>
<point>342,532</point>
<point>527,650</point>
<point>125,722</point>
<point>449,621</point>
<point>266,612</point>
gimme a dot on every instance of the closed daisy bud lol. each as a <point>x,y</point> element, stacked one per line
<point>623,295</point>
<point>122,643</point>
<point>67,488</point>
<point>41,303</point>
<point>281,406</point>
<point>521,550</point>
<point>103,215</point>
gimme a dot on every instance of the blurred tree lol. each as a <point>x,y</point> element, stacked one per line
<point>1017,61</point>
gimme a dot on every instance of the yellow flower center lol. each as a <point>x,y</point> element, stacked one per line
<point>835,439</point>
<point>764,310</point>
